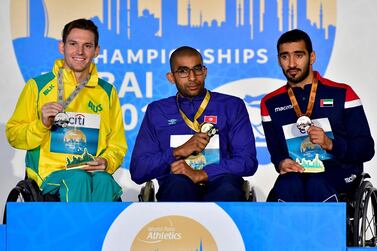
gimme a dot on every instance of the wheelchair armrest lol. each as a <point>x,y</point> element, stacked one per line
<point>147,192</point>
<point>249,191</point>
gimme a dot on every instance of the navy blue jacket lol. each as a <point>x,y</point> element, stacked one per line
<point>352,143</point>
<point>152,154</point>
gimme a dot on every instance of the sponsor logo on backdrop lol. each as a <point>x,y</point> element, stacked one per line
<point>172,226</point>
<point>174,233</point>
<point>238,47</point>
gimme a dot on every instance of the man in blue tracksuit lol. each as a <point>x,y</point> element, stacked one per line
<point>173,144</point>
<point>316,130</point>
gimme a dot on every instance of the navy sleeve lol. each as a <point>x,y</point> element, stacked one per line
<point>356,145</point>
<point>276,144</point>
<point>275,139</point>
<point>148,161</point>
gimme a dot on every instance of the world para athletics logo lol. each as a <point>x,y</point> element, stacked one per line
<point>237,39</point>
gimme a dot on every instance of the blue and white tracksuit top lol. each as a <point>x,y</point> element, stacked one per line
<point>352,143</point>
<point>153,154</point>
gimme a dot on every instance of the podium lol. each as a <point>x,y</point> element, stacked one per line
<point>162,226</point>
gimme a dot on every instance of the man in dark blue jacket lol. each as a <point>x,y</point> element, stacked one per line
<point>198,144</point>
<point>316,130</point>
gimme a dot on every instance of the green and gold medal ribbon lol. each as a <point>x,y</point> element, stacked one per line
<point>194,125</point>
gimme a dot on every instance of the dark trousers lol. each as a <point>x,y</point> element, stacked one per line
<point>178,187</point>
<point>313,187</point>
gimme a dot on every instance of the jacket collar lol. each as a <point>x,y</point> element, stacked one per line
<point>69,76</point>
<point>200,97</point>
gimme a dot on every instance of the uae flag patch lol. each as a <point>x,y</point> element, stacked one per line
<point>327,102</point>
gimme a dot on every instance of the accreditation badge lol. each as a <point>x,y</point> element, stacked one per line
<point>309,155</point>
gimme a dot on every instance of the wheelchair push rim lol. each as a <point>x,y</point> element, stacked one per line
<point>365,228</point>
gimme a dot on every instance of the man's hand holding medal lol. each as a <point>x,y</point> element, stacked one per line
<point>49,113</point>
<point>318,136</point>
<point>305,125</point>
<point>195,145</point>
<point>53,113</point>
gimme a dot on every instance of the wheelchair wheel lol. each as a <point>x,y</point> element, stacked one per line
<point>18,194</point>
<point>25,191</point>
<point>365,228</point>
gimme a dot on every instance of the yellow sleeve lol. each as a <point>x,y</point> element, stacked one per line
<point>25,130</point>
<point>116,141</point>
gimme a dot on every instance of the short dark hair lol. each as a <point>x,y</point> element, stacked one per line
<point>184,51</point>
<point>295,36</point>
<point>84,24</point>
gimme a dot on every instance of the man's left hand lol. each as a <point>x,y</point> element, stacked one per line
<point>181,167</point>
<point>99,164</point>
<point>318,136</point>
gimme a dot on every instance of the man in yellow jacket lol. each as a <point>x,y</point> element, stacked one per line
<point>70,122</point>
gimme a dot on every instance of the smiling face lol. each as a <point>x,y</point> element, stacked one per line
<point>79,49</point>
<point>193,84</point>
<point>296,63</point>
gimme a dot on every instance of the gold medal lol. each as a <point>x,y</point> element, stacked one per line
<point>208,128</point>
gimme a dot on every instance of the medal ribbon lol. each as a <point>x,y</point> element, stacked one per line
<point>309,109</point>
<point>194,125</point>
<point>66,102</point>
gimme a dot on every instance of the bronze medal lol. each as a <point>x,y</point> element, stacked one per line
<point>304,121</point>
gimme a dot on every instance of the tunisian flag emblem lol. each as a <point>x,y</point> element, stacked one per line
<point>210,119</point>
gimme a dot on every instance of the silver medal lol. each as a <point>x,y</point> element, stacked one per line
<point>208,128</point>
<point>61,119</point>
<point>303,123</point>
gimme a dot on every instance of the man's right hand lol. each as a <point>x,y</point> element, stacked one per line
<point>49,110</point>
<point>195,144</point>
<point>288,165</point>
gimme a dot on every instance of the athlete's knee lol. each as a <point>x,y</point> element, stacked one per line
<point>177,187</point>
<point>102,177</point>
<point>228,183</point>
<point>290,181</point>
<point>80,176</point>
<point>288,187</point>
<point>318,189</point>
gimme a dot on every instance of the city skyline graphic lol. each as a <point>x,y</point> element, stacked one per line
<point>135,47</point>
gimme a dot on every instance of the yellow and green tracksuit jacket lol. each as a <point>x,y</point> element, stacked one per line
<point>95,124</point>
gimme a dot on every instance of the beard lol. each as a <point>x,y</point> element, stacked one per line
<point>299,77</point>
<point>184,90</point>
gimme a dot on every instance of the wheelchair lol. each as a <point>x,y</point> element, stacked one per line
<point>361,213</point>
<point>147,192</point>
<point>27,190</point>
<point>361,207</point>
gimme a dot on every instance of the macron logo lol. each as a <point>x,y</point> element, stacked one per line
<point>283,108</point>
